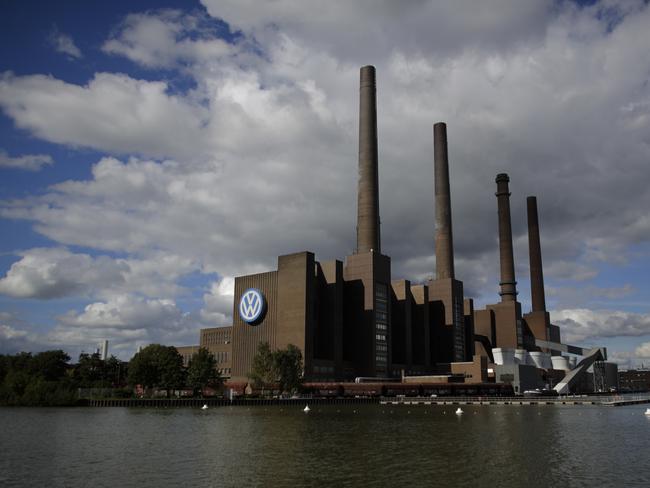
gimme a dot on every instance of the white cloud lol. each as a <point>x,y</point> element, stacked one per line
<point>51,273</point>
<point>127,322</point>
<point>47,273</point>
<point>16,336</point>
<point>28,162</point>
<point>262,150</point>
<point>578,325</point>
<point>9,333</point>
<point>64,44</point>
<point>630,359</point>
<point>113,113</point>
<point>371,28</point>
<point>165,39</point>
<point>253,135</point>
<point>643,351</point>
<point>218,302</point>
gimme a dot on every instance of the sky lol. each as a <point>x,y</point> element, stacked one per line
<point>152,151</point>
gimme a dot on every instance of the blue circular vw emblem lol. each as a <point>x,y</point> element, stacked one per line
<point>252,306</point>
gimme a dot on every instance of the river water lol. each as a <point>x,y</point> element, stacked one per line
<point>342,445</point>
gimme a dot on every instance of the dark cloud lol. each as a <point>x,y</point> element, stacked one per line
<point>259,159</point>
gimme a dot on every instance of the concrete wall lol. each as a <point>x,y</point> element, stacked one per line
<point>506,317</point>
<point>364,272</point>
<point>446,297</point>
<point>218,340</point>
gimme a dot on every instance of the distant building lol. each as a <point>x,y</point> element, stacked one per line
<point>187,352</point>
<point>103,350</point>
<point>634,380</point>
<point>605,377</point>
<point>216,340</point>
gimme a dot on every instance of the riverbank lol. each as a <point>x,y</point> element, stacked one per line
<point>254,402</point>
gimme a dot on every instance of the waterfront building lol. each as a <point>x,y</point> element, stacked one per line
<point>634,380</point>
<point>352,320</point>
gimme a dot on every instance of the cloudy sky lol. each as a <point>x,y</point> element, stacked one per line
<point>151,151</point>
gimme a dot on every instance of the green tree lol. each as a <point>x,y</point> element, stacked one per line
<point>89,371</point>
<point>201,371</point>
<point>289,369</point>
<point>4,367</point>
<point>157,366</point>
<point>93,372</point>
<point>50,365</point>
<point>263,372</point>
<point>283,367</point>
<point>115,371</point>
<point>40,380</point>
<point>14,386</point>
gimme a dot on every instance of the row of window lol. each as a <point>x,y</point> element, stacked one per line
<point>381,291</point>
<point>221,357</point>
<point>381,325</point>
<point>323,369</point>
<point>220,337</point>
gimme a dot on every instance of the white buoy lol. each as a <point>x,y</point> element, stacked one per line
<point>459,411</point>
<point>306,409</point>
<point>204,407</point>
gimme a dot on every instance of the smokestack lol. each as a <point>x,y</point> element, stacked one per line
<point>444,236</point>
<point>535,255</point>
<point>508,284</point>
<point>368,237</point>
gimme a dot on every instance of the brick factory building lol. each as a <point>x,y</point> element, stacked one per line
<point>351,319</point>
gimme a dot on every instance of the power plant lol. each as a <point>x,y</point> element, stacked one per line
<point>353,322</point>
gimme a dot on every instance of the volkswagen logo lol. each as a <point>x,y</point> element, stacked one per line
<point>252,306</point>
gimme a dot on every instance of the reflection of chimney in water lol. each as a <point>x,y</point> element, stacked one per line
<point>368,236</point>
<point>444,235</point>
<point>508,284</point>
<point>535,255</point>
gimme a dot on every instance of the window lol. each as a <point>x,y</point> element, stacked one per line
<point>381,290</point>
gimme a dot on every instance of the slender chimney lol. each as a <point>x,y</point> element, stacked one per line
<point>508,284</point>
<point>368,237</point>
<point>444,236</point>
<point>535,255</point>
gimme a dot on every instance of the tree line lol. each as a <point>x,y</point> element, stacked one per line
<point>48,379</point>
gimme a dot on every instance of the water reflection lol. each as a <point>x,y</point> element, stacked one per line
<point>330,446</point>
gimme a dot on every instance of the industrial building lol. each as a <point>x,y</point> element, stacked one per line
<point>634,380</point>
<point>352,320</point>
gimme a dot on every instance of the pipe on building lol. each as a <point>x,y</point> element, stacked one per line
<point>368,236</point>
<point>508,284</point>
<point>444,235</point>
<point>535,256</point>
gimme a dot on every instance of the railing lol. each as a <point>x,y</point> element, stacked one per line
<point>487,400</point>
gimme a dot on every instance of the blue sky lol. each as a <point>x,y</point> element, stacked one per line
<point>151,151</point>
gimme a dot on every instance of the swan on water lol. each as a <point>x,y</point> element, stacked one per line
<point>306,409</point>
<point>459,411</point>
<point>204,407</point>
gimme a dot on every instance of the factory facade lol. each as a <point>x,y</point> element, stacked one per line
<point>352,319</point>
